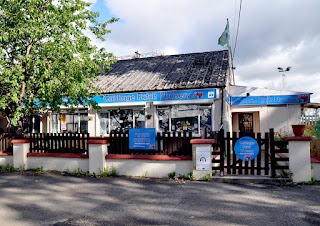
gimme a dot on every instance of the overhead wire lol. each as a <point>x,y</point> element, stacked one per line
<point>235,43</point>
<point>234,21</point>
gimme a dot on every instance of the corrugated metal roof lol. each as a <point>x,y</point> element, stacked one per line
<point>184,71</point>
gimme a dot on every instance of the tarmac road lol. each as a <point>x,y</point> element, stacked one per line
<point>53,199</point>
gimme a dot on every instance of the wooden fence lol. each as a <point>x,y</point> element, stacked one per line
<point>231,164</point>
<point>173,144</point>
<point>59,142</point>
<point>279,155</point>
<point>5,142</point>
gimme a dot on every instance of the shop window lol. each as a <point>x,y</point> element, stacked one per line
<point>84,122</point>
<point>55,123</point>
<point>121,120</point>
<point>70,122</point>
<point>185,118</point>
<point>246,122</point>
<point>163,116</point>
<point>30,124</point>
<point>104,125</point>
<point>205,120</point>
<point>139,119</point>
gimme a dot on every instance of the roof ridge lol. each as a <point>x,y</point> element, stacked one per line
<point>172,55</point>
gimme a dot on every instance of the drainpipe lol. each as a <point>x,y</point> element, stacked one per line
<point>222,105</point>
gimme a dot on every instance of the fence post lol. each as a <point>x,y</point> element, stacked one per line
<point>273,154</point>
<point>222,144</point>
<point>97,153</point>
<point>299,158</point>
<point>21,147</point>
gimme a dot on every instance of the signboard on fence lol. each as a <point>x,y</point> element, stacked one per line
<point>142,139</point>
<point>246,148</point>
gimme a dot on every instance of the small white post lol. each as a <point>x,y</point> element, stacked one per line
<point>20,150</point>
<point>97,152</point>
<point>202,157</point>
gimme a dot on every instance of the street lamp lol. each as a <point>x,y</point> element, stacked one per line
<point>284,76</point>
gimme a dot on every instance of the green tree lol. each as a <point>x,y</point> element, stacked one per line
<point>46,55</point>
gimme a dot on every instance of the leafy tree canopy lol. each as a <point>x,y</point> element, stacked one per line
<point>46,55</point>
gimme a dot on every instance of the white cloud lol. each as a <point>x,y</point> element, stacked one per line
<point>272,33</point>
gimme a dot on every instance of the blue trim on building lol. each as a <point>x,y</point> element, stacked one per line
<point>269,100</point>
<point>177,95</point>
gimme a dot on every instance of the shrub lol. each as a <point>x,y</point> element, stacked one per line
<point>171,175</point>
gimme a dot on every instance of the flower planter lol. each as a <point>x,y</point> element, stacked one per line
<point>298,130</point>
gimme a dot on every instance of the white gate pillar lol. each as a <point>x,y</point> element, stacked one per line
<point>299,158</point>
<point>21,147</point>
<point>97,153</point>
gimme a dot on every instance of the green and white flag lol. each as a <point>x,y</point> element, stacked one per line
<point>224,38</point>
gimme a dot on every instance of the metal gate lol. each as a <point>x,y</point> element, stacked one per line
<point>271,158</point>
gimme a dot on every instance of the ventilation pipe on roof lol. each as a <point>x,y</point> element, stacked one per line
<point>137,54</point>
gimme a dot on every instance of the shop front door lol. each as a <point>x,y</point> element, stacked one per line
<point>245,123</point>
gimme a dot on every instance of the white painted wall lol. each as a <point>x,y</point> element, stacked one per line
<point>279,117</point>
<point>315,172</point>
<point>92,122</point>
<point>148,168</point>
<point>216,114</point>
<point>6,160</point>
<point>58,164</point>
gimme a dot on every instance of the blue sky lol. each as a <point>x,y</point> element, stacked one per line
<point>272,34</point>
<point>101,7</point>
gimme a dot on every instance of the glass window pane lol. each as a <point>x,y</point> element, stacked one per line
<point>185,118</point>
<point>139,119</point>
<point>103,123</point>
<point>83,122</point>
<point>163,117</point>
<point>205,121</point>
<point>121,120</point>
<point>55,123</point>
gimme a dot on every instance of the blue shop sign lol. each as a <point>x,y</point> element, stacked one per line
<point>270,100</point>
<point>177,95</point>
<point>246,148</point>
<point>142,139</point>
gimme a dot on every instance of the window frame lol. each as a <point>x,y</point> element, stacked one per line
<point>169,107</point>
<point>108,112</point>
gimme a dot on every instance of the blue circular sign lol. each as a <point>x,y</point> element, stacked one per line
<point>246,148</point>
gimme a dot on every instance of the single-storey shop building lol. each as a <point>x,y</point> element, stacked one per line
<point>193,92</point>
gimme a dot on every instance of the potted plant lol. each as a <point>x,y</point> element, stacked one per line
<point>279,139</point>
<point>298,129</point>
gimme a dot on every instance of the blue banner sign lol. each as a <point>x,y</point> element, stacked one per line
<point>270,100</point>
<point>246,148</point>
<point>177,95</point>
<point>142,139</point>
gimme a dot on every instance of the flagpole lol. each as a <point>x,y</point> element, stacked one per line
<point>230,56</point>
